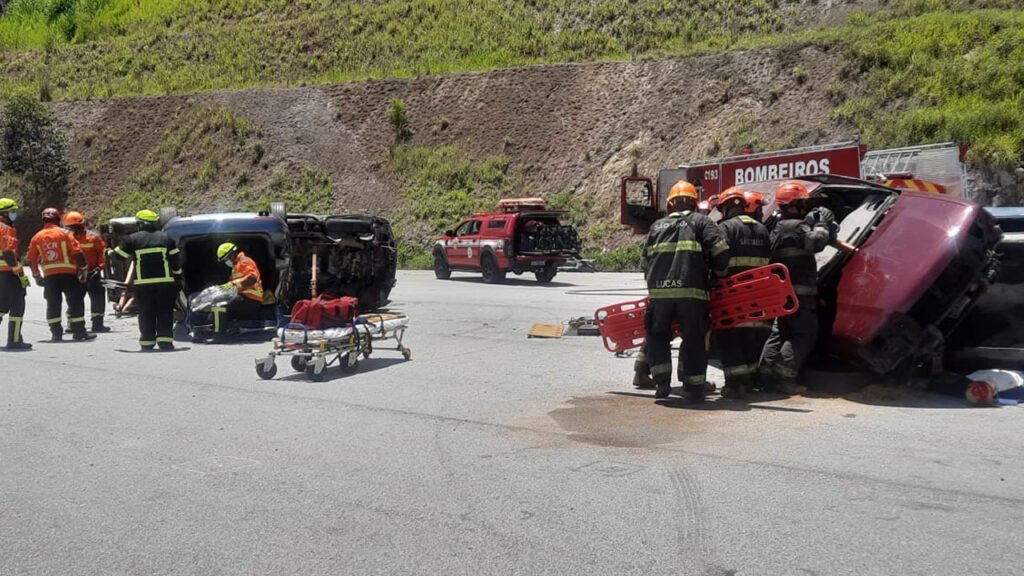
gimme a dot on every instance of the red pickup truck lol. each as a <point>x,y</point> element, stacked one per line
<point>520,235</point>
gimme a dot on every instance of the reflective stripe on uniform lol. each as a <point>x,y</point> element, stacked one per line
<point>718,248</point>
<point>121,253</point>
<point>217,311</point>
<point>761,325</point>
<point>805,290</point>
<point>16,322</point>
<point>139,280</point>
<point>680,246</point>
<point>76,319</point>
<point>52,321</point>
<point>173,252</point>
<point>147,343</point>
<point>747,262</point>
<point>739,370</point>
<point>747,219</point>
<point>164,340</point>
<point>784,371</point>
<point>97,315</point>
<point>660,369</point>
<point>697,380</point>
<point>678,293</point>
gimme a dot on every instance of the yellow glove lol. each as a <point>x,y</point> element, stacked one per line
<point>24,281</point>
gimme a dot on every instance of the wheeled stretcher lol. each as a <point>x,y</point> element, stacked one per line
<point>313,351</point>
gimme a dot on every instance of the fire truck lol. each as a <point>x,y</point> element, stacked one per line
<point>924,254</point>
<point>933,168</point>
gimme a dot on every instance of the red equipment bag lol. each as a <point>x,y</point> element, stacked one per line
<point>325,312</point>
<point>756,295</point>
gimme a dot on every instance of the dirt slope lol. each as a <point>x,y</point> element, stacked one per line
<point>562,127</point>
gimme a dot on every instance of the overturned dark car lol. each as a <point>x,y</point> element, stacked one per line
<point>299,256</point>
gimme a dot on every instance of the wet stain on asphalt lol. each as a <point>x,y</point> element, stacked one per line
<point>626,421</point>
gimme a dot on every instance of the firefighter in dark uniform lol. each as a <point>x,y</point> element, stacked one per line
<point>740,348</point>
<point>157,273</point>
<point>13,281</point>
<point>799,234</point>
<point>681,250</point>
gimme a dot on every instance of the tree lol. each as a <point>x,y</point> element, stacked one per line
<point>398,117</point>
<point>33,147</point>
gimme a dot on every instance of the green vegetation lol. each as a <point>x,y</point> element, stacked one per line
<point>945,76</point>
<point>440,186</point>
<point>933,69</point>
<point>34,165</point>
<point>211,158</point>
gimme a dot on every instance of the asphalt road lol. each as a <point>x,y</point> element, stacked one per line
<point>487,453</point>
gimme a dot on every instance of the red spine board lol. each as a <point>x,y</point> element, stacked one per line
<point>757,295</point>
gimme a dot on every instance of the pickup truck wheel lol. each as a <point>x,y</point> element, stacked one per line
<point>547,274</point>
<point>441,269</point>
<point>489,267</point>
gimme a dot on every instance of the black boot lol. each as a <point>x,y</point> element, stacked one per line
<point>97,325</point>
<point>56,333</point>
<point>663,390</point>
<point>14,341</point>
<point>79,334</point>
<point>695,394</point>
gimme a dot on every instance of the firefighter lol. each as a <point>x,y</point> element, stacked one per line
<point>60,268</point>
<point>13,281</point>
<point>157,274</point>
<point>95,250</point>
<point>755,205</point>
<point>740,348</point>
<point>799,234</point>
<point>680,250</point>
<point>245,277</point>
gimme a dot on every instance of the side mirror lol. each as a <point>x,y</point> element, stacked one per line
<point>450,233</point>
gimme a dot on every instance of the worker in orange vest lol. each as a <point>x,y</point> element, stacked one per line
<point>13,281</point>
<point>245,276</point>
<point>95,250</point>
<point>59,266</point>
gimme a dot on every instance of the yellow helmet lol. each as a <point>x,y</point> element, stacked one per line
<point>147,216</point>
<point>7,204</point>
<point>225,250</point>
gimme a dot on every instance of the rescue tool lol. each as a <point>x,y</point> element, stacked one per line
<point>756,295</point>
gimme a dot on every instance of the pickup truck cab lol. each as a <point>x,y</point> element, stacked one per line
<point>520,235</point>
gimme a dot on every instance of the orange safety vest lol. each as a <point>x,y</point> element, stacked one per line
<point>94,248</point>
<point>52,249</point>
<point>9,243</point>
<point>244,268</point>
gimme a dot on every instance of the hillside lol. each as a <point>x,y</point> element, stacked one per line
<point>772,74</point>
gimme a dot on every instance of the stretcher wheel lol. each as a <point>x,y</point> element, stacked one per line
<point>299,363</point>
<point>264,373</point>
<point>350,363</point>
<point>314,375</point>
<point>406,353</point>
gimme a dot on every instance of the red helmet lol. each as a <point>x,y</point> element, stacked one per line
<point>730,194</point>
<point>51,215</point>
<point>755,200</point>
<point>790,192</point>
<point>73,218</point>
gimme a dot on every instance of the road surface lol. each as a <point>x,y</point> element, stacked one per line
<point>487,453</point>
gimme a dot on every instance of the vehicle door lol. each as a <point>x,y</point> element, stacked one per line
<point>463,248</point>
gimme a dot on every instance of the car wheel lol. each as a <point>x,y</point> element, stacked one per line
<point>489,267</point>
<point>547,274</point>
<point>441,269</point>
